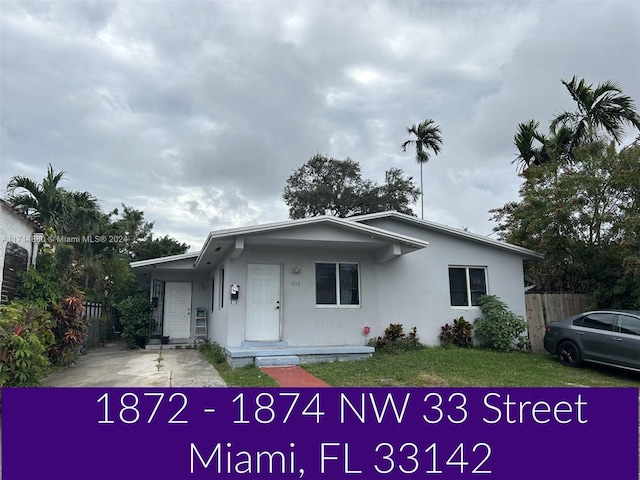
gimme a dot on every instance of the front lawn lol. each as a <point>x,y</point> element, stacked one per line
<point>467,367</point>
<point>444,367</point>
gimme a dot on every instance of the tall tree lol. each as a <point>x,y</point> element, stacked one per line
<point>603,109</point>
<point>536,148</point>
<point>426,137</point>
<point>585,218</point>
<point>68,213</point>
<point>530,144</point>
<point>157,247</point>
<point>323,186</point>
<point>327,186</point>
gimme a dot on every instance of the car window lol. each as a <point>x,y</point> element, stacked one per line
<point>599,321</point>
<point>629,324</point>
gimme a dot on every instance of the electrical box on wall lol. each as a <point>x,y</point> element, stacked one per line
<point>235,292</point>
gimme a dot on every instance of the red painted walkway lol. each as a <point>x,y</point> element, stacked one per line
<point>293,376</point>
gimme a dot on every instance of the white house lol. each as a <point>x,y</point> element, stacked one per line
<point>18,246</point>
<point>304,290</point>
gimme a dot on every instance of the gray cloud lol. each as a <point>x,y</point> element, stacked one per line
<point>197,112</point>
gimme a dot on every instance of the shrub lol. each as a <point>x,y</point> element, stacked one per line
<point>25,334</point>
<point>395,340</point>
<point>458,334</point>
<point>212,351</point>
<point>39,283</point>
<point>70,328</point>
<point>499,328</point>
<point>135,316</point>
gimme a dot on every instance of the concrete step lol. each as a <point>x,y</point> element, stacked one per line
<point>277,361</point>
<point>279,344</point>
<point>169,346</point>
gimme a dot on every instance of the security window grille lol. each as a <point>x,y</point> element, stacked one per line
<point>337,284</point>
<point>16,260</point>
<point>467,285</point>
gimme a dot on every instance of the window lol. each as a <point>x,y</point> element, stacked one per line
<point>213,293</point>
<point>16,259</point>
<point>467,285</point>
<point>221,283</point>
<point>337,284</point>
<point>629,325</point>
<point>599,321</point>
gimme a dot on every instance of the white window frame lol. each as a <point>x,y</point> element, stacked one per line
<point>468,283</point>
<point>337,283</point>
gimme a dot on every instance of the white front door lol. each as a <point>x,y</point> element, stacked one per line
<point>263,303</point>
<point>177,309</point>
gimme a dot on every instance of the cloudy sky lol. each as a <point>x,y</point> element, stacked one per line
<point>196,112</point>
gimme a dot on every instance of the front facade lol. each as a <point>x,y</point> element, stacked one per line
<point>310,287</point>
<point>18,247</point>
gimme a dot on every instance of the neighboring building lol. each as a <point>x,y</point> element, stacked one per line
<point>19,236</point>
<point>303,290</point>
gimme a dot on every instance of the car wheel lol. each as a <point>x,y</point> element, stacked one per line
<point>569,354</point>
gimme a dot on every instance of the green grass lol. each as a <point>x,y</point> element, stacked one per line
<point>438,367</point>
<point>249,376</point>
<point>461,367</point>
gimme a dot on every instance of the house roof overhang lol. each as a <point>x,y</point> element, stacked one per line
<point>525,253</point>
<point>22,214</point>
<point>143,269</point>
<point>315,232</point>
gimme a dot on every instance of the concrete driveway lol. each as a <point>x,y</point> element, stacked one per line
<point>115,366</point>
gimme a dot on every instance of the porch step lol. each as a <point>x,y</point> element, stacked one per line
<point>277,360</point>
<point>169,346</point>
<point>264,344</point>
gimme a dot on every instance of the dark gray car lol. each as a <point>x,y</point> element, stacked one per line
<point>608,337</point>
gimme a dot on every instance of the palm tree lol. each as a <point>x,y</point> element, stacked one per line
<point>427,137</point>
<point>43,200</point>
<point>603,108</point>
<point>52,205</point>
<point>531,145</point>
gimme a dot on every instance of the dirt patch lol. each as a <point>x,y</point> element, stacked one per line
<point>431,380</point>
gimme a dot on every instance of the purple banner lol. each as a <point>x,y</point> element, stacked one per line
<point>332,433</point>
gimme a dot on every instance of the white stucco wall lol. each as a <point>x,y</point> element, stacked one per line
<point>16,229</point>
<point>414,289</point>
<point>302,323</point>
<point>200,286</point>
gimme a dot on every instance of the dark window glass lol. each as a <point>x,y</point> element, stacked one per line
<point>629,325</point>
<point>221,282</point>
<point>326,284</point>
<point>16,259</point>
<point>477,285</point>
<point>349,294</point>
<point>599,321</point>
<point>458,287</point>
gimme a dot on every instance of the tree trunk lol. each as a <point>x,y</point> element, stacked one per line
<point>421,194</point>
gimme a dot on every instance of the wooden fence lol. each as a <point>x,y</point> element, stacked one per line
<point>102,324</point>
<point>545,308</point>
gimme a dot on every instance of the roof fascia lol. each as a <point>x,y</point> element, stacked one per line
<point>242,232</point>
<point>449,230</point>
<point>156,261</point>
